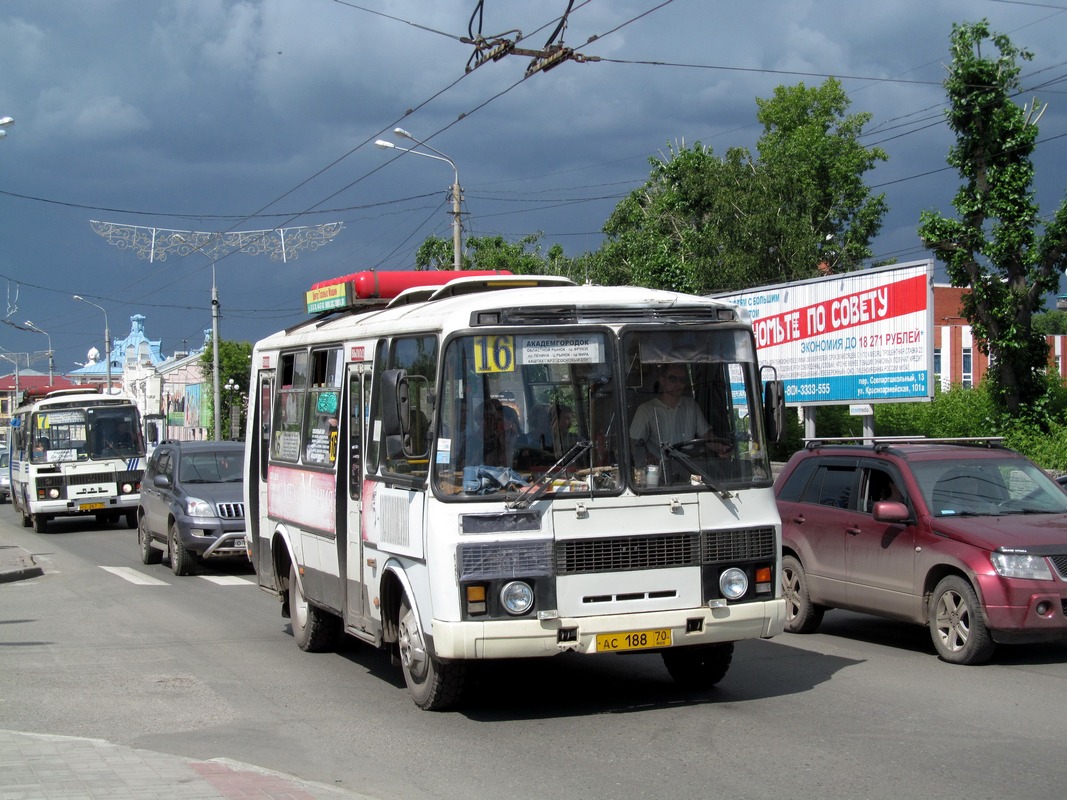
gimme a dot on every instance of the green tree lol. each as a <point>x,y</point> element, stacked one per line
<point>1051,323</point>
<point>235,365</point>
<point>703,223</point>
<point>995,246</point>
<point>523,257</point>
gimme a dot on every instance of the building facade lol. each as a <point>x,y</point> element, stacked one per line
<point>958,360</point>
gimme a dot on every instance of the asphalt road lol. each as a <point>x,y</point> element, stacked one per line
<point>205,667</point>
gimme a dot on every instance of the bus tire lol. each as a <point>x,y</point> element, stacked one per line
<point>40,523</point>
<point>434,685</point>
<point>149,554</point>
<point>315,630</point>
<point>131,519</point>
<point>27,521</point>
<point>700,666</point>
<point>182,562</point>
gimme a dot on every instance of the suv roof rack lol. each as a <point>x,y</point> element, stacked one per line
<point>884,442</point>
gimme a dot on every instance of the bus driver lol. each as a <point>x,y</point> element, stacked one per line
<point>673,416</point>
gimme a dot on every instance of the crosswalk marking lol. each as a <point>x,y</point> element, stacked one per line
<point>133,576</point>
<point>225,580</point>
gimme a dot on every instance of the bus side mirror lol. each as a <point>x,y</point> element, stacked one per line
<point>396,411</point>
<point>774,409</point>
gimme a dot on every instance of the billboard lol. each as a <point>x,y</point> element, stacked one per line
<point>861,337</point>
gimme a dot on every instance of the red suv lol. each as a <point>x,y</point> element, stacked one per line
<point>969,539</point>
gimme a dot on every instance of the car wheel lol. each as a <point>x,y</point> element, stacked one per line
<point>699,667</point>
<point>956,625</point>
<point>801,615</point>
<point>182,561</point>
<point>315,630</point>
<point>149,554</point>
<point>434,685</point>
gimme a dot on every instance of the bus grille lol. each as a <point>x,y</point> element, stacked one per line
<point>623,553</point>
<point>231,510</point>
<point>504,560</point>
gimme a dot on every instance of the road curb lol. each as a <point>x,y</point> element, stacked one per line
<point>17,565</point>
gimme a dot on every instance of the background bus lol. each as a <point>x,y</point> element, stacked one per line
<point>76,453</point>
<point>460,473</point>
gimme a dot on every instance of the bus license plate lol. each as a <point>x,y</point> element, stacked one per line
<point>633,640</point>
<point>90,506</point>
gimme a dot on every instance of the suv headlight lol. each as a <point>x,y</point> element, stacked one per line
<point>195,507</point>
<point>1018,565</point>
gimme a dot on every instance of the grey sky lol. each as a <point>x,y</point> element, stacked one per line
<point>215,115</point>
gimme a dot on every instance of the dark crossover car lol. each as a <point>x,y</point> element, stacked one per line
<point>969,539</point>
<point>5,477</point>
<point>192,504</point>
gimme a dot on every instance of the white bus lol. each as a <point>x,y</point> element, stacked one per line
<point>451,473</point>
<point>76,452</point>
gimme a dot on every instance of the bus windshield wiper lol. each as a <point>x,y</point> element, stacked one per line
<point>672,451</point>
<point>537,489</point>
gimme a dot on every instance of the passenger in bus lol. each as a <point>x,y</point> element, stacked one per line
<point>512,432</point>
<point>671,417</point>
<point>486,442</point>
<point>40,449</point>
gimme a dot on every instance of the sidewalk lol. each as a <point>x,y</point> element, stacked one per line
<point>44,767</point>
<point>41,767</point>
<point>16,564</point>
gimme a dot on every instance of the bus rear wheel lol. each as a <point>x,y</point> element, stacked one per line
<point>315,630</point>
<point>434,684</point>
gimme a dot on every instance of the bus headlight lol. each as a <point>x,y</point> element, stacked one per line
<point>53,494</point>
<point>733,583</point>
<point>127,488</point>
<point>517,598</point>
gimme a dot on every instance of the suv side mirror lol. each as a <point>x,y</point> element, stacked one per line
<point>161,482</point>
<point>891,511</point>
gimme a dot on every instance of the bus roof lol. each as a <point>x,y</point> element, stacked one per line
<point>470,302</point>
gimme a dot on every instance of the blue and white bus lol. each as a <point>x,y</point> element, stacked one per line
<point>76,452</point>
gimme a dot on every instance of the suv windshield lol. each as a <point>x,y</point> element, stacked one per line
<point>987,487</point>
<point>525,414</point>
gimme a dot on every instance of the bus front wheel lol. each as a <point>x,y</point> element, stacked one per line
<point>434,684</point>
<point>40,523</point>
<point>699,667</point>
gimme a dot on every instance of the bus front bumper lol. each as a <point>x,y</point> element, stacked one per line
<point>529,638</point>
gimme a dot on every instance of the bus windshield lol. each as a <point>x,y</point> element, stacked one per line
<point>80,434</point>
<point>551,413</point>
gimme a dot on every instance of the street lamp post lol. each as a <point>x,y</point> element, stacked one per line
<point>51,359</point>
<point>457,225</point>
<point>216,391</point>
<point>107,338</point>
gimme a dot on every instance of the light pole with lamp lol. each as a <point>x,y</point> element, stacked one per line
<point>107,338</point>
<point>457,225</point>
<point>233,396</point>
<point>51,359</point>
